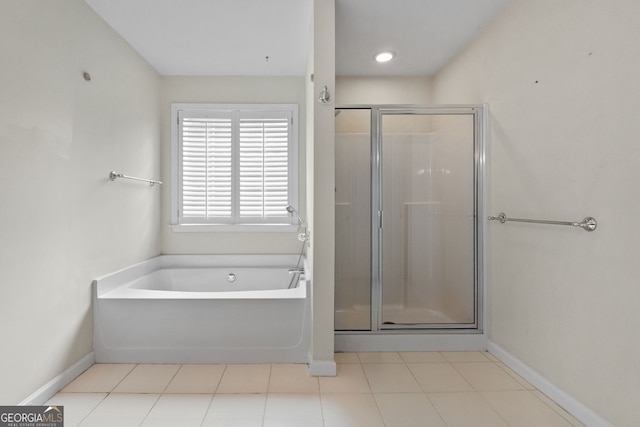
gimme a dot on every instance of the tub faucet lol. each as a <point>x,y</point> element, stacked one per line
<point>296,271</point>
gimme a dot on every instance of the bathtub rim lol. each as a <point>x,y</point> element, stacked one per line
<point>105,286</point>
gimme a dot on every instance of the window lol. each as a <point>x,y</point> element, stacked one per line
<point>234,165</point>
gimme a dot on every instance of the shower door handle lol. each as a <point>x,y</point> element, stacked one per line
<point>380,219</point>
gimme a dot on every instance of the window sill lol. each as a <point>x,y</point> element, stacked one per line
<point>225,228</point>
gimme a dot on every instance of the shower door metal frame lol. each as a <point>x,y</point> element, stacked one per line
<point>479,113</point>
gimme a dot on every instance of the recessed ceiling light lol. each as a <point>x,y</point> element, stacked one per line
<point>384,56</point>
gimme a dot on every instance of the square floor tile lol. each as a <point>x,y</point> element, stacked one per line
<point>350,410</point>
<point>112,421</point>
<point>288,378</point>
<point>121,409</point>
<point>76,405</point>
<point>171,422</point>
<point>293,422</point>
<point>244,409</point>
<point>184,410</point>
<point>390,378</point>
<point>346,358</point>
<point>523,409</point>
<point>350,378</point>
<point>245,379</point>
<point>487,376</point>
<point>232,422</point>
<point>408,410</point>
<point>491,356</point>
<point>194,379</point>
<point>524,383</point>
<point>293,406</point>
<point>380,357</point>
<point>147,379</point>
<point>422,357</point>
<point>465,356</point>
<point>557,408</point>
<point>99,378</point>
<point>466,409</point>
<point>434,377</point>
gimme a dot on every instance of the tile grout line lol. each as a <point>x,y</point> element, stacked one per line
<point>171,380</point>
<point>93,409</point>
<point>266,395</point>
<point>514,375</point>
<point>494,408</point>
<point>204,416</point>
<point>224,371</point>
<point>444,422</point>
<point>563,412</point>
<point>373,396</point>
<point>135,365</point>
<point>453,365</point>
<point>107,393</point>
<point>321,405</point>
<point>159,395</point>
<point>213,395</point>
<point>150,409</point>
<point>436,409</point>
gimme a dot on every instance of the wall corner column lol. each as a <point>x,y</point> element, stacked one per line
<point>321,188</point>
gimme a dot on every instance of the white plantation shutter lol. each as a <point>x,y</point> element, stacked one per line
<point>206,169</point>
<point>236,166</point>
<point>264,166</point>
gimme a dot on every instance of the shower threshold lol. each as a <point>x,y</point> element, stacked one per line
<point>360,319</point>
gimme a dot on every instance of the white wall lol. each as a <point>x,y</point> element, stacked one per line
<point>62,221</point>
<point>561,78</point>
<point>383,90</point>
<point>229,90</point>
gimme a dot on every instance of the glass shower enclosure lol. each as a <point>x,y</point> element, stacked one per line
<point>408,207</point>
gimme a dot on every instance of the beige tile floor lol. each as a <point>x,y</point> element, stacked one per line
<point>371,389</point>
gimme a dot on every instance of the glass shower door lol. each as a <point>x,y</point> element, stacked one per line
<point>353,220</point>
<point>427,234</point>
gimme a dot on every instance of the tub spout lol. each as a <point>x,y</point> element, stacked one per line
<point>297,273</point>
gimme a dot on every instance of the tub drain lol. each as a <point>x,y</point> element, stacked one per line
<point>231,278</point>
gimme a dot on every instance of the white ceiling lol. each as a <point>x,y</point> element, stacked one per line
<point>424,34</point>
<point>235,37</point>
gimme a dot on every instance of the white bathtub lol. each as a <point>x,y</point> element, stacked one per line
<point>203,309</point>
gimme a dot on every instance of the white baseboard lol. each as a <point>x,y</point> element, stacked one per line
<point>47,391</point>
<point>322,368</point>
<point>582,412</point>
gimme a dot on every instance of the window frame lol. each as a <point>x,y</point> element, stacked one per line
<point>288,223</point>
